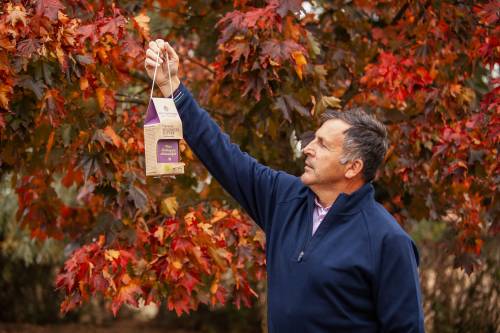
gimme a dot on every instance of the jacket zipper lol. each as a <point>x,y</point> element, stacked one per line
<point>309,239</point>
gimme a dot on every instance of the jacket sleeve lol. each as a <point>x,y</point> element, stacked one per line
<point>252,184</point>
<point>399,303</point>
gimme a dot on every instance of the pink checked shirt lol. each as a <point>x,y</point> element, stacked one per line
<point>318,214</point>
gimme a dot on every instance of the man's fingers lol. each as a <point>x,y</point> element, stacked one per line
<point>164,49</point>
<point>150,63</point>
<point>171,52</point>
<point>161,44</point>
<point>150,54</point>
<point>154,46</point>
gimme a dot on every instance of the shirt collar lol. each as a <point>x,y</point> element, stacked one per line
<point>316,202</point>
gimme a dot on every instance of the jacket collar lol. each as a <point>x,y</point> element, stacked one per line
<point>348,204</point>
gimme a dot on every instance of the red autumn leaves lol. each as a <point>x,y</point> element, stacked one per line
<point>187,262</point>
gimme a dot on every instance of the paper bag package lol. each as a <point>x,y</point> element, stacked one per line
<point>162,133</point>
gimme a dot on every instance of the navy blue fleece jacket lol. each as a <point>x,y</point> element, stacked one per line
<point>358,273</point>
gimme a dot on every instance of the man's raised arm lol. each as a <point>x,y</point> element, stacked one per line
<point>253,185</point>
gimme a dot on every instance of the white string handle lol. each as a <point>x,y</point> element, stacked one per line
<point>154,75</point>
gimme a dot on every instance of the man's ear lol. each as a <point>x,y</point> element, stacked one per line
<point>354,168</point>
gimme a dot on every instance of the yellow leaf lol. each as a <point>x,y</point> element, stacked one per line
<point>126,279</point>
<point>84,83</point>
<point>5,92</point>
<point>169,206</point>
<point>63,18</point>
<point>331,101</point>
<point>260,237</point>
<point>177,264</point>
<point>50,143</point>
<point>111,254</point>
<point>455,89</point>
<point>207,228</point>
<point>320,70</point>
<point>101,97</point>
<point>61,56</point>
<point>214,286</point>
<point>467,95</point>
<point>274,63</point>
<point>236,214</point>
<point>16,14</point>
<point>159,233</point>
<point>142,21</point>
<point>110,132</point>
<point>218,215</point>
<point>300,62</point>
<point>218,255</point>
<point>109,278</point>
<point>189,218</point>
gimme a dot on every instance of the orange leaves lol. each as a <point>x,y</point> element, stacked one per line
<point>127,294</point>
<point>16,14</point>
<point>5,95</point>
<point>52,107</point>
<point>105,98</point>
<point>183,258</point>
<point>50,143</point>
<point>300,62</point>
<point>141,23</point>
<point>115,139</point>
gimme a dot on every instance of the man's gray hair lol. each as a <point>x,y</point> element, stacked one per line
<point>366,139</point>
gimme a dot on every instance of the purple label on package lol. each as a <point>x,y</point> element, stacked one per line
<point>167,151</point>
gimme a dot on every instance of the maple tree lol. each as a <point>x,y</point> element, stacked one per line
<point>73,93</point>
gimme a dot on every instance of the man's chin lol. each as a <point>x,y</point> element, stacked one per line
<point>306,179</point>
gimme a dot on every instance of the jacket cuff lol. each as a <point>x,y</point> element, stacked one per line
<point>180,96</point>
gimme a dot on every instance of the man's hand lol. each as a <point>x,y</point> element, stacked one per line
<point>162,78</point>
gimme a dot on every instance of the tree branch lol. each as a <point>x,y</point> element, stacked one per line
<point>202,65</point>
<point>133,100</point>
<point>400,13</point>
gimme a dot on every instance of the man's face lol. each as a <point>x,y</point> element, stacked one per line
<point>323,155</point>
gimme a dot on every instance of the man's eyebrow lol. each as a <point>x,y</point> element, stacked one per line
<point>323,140</point>
<point>321,137</point>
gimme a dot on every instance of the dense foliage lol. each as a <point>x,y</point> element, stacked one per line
<point>73,93</point>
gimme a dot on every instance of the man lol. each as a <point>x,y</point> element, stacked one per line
<point>337,261</point>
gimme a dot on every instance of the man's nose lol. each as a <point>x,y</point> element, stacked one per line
<point>309,149</point>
